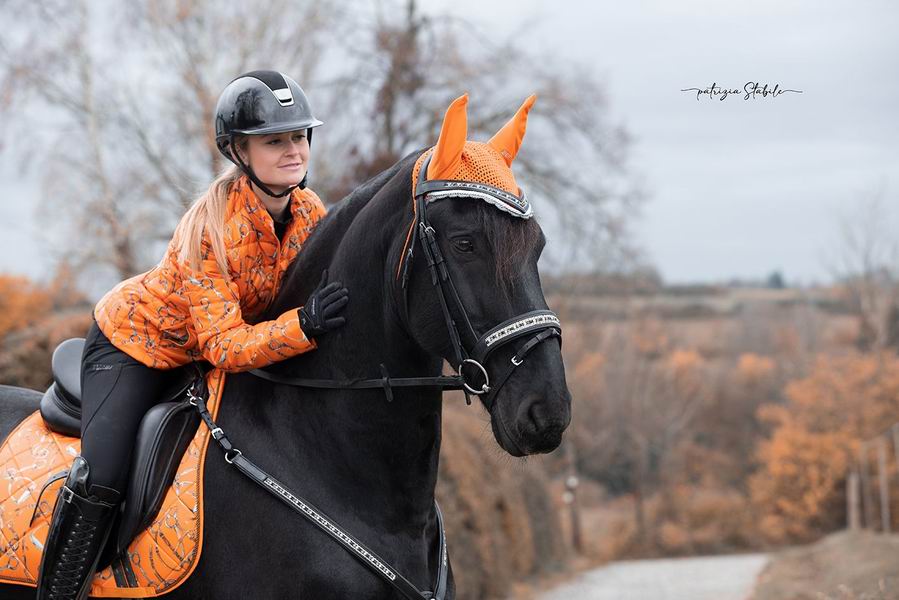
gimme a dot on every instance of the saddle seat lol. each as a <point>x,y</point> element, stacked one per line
<point>164,434</point>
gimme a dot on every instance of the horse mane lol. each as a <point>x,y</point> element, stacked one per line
<point>304,272</point>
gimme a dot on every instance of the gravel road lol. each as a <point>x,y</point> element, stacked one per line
<point>702,578</point>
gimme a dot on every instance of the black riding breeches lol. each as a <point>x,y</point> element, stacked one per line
<point>116,393</point>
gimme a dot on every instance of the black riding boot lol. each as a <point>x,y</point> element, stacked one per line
<point>78,531</point>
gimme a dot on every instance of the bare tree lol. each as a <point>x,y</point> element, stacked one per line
<point>52,71</point>
<point>642,406</point>
<point>131,89</point>
<point>867,266</point>
<point>574,162</point>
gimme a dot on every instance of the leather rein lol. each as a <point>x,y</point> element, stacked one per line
<point>534,326</point>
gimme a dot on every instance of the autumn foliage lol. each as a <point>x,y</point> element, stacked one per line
<point>499,515</point>
<point>799,489</point>
<point>22,303</point>
<point>721,435</point>
<point>34,319</point>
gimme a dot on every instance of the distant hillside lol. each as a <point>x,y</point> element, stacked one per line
<point>614,297</point>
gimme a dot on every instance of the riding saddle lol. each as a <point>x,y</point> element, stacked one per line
<point>164,434</point>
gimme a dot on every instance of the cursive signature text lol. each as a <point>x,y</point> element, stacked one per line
<point>750,91</point>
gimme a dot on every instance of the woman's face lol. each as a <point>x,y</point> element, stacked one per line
<point>279,160</point>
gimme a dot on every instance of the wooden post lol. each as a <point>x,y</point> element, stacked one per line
<point>571,485</point>
<point>867,500</point>
<point>884,485</point>
<point>853,510</point>
<point>896,446</point>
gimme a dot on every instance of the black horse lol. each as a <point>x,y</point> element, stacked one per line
<point>368,463</point>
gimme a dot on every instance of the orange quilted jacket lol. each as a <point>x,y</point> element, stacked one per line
<point>172,315</point>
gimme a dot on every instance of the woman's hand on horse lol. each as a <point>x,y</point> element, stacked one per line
<point>319,314</point>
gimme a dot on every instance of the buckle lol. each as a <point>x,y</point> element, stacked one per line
<point>66,494</point>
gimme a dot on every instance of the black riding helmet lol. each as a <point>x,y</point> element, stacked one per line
<point>257,103</point>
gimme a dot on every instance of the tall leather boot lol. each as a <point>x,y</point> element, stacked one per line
<point>78,531</point>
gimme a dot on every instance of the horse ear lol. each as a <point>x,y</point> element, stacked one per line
<point>507,140</point>
<point>448,153</point>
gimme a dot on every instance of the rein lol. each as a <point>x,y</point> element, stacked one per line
<point>535,326</point>
<point>387,383</point>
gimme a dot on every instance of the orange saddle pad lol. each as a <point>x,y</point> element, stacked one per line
<point>159,559</point>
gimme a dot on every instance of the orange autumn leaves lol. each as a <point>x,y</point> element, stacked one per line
<point>22,303</point>
<point>764,442</point>
<point>800,485</point>
<point>34,318</point>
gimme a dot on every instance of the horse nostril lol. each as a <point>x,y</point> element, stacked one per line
<point>543,419</point>
<point>537,416</point>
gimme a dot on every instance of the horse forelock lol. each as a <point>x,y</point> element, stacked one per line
<point>511,239</point>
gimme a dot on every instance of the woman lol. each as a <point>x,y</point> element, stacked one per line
<point>223,266</point>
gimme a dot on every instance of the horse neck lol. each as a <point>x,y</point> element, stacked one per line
<point>384,452</point>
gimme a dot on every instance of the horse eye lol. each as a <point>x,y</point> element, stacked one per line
<point>463,245</point>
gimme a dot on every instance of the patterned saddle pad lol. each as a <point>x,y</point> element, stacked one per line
<point>159,559</point>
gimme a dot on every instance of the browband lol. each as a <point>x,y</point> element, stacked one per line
<point>517,206</point>
<point>436,189</point>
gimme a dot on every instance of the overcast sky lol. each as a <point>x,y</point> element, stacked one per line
<point>738,188</point>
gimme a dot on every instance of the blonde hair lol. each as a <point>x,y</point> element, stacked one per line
<point>207,216</point>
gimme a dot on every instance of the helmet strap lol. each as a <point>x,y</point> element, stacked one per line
<point>302,185</point>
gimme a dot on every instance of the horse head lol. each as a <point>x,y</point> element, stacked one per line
<point>486,244</point>
<point>440,254</point>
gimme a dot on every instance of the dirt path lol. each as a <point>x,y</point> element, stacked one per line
<point>846,565</point>
<point>703,578</point>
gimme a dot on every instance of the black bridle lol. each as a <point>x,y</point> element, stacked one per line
<point>536,326</point>
<point>533,327</point>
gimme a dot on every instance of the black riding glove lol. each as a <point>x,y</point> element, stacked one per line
<point>318,315</point>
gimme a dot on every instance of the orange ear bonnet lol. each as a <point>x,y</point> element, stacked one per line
<point>455,166</point>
